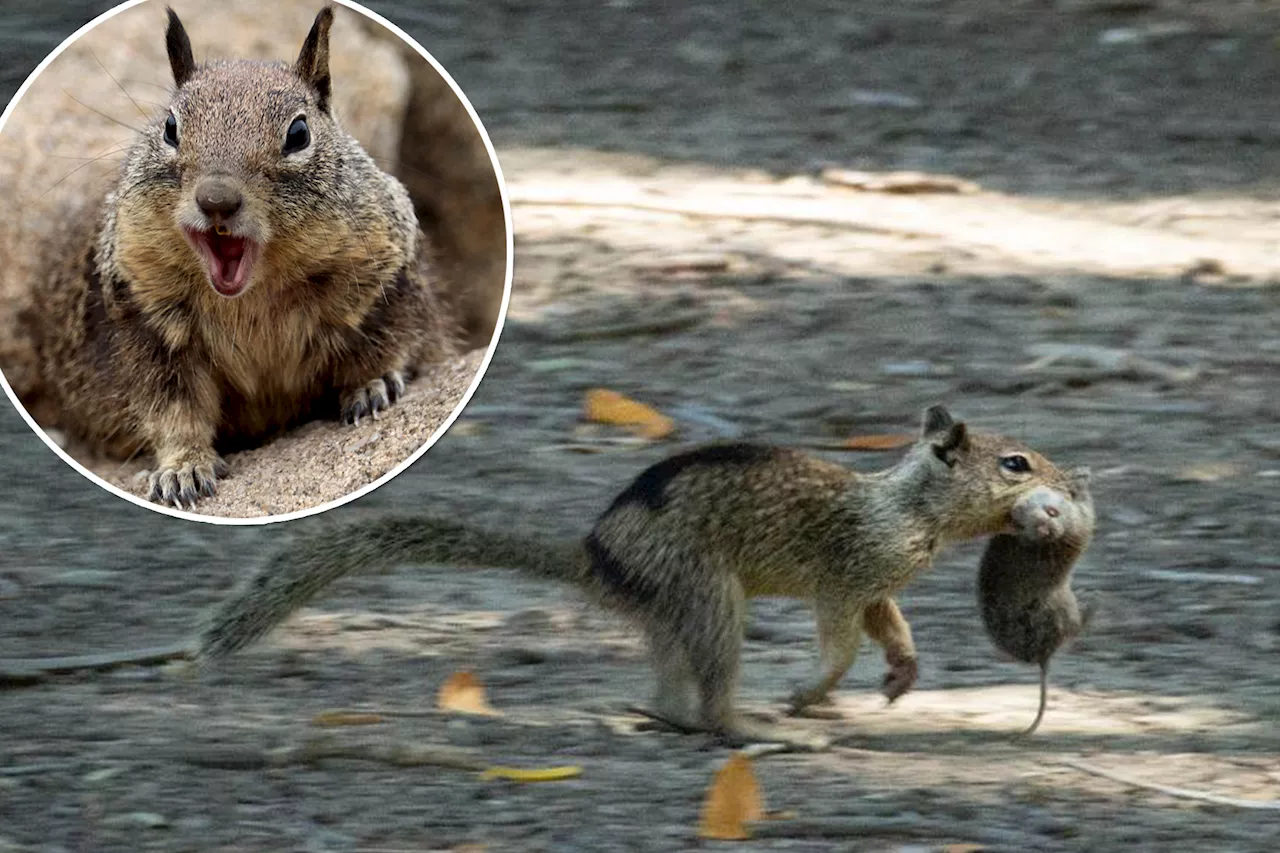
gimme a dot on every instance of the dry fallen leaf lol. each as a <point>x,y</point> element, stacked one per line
<point>345,718</point>
<point>463,693</point>
<point>732,801</point>
<point>610,407</point>
<point>543,774</point>
<point>887,441</point>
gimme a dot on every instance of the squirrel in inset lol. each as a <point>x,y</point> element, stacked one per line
<point>251,268</point>
<point>1024,579</point>
<point>682,548</point>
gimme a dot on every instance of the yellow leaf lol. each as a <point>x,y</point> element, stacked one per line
<point>609,407</point>
<point>544,774</point>
<point>345,718</point>
<point>889,441</point>
<point>733,800</point>
<point>462,692</point>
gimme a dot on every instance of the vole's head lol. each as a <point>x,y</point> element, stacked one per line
<point>1055,514</point>
<point>971,480</point>
<point>244,153</point>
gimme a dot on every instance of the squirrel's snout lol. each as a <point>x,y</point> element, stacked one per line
<point>219,200</point>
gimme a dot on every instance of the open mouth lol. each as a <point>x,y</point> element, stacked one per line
<point>227,258</point>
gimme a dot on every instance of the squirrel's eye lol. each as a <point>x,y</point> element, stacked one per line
<point>298,137</point>
<point>1016,463</point>
<point>171,130</point>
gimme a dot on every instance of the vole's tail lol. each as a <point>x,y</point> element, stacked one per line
<point>297,575</point>
<point>1044,699</point>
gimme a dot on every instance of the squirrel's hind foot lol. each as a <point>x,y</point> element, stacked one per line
<point>373,398</point>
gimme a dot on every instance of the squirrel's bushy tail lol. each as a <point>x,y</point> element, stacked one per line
<point>297,575</point>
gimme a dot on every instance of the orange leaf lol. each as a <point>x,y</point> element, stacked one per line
<point>609,407</point>
<point>886,441</point>
<point>732,801</point>
<point>345,718</point>
<point>462,692</point>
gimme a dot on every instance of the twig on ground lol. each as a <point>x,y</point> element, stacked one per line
<point>676,322</point>
<point>381,750</point>
<point>864,826</point>
<point>20,671</point>
<point>1181,793</point>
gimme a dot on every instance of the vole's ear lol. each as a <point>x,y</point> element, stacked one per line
<point>1078,482</point>
<point>948,445</point>
<point>181,60</point>
<point>313,61</point>
<point>936,419</point>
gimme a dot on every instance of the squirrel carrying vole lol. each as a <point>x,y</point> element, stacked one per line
<point>251,268</point>
<point>682,548</point>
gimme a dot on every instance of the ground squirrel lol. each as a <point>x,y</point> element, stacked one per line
<point>251,268</point>
<point>694,536</point>
<point>1024,590</point>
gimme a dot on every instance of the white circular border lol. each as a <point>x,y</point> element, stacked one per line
<point>435,436</point>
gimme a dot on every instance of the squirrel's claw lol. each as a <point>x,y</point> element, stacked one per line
<point>182,486</point>
<point>373,398</point>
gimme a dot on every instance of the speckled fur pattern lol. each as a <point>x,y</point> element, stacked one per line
<point>1024,579</point>
<point>681,549</point>
<point>137,349</point>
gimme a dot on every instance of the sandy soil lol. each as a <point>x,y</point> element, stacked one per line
<point>323,461</point>
<point>1109,295</point>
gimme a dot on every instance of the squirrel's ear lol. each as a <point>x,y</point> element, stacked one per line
<point>181,60</point>
<point>936,419</point>
<point>313,61</point>
<point>948,445</point>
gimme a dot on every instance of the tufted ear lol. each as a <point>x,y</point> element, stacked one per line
<point>948,438</point>
<point>936,418</point>
<point>181,61</point>
<point>313,60</point>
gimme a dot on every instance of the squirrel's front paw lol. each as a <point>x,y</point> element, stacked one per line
<point>182,483</point>
<point>901,676</point>
<point>372,398</point>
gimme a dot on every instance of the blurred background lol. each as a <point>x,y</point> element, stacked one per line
<point>1060,218</point>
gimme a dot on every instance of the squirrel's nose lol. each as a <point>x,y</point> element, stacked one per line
<point>218,198</point>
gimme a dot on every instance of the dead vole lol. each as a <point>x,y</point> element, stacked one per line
<point>1024,589</point>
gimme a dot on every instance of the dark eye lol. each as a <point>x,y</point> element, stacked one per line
<point>1016,463</point>
<point>171,130</point>
<point>298,137</point>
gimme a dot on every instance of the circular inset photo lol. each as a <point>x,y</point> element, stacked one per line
<point>255,257</point>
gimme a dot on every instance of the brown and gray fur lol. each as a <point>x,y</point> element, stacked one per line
<point>137,349</point>
<point>1024,590</point>
<point>682,548</point>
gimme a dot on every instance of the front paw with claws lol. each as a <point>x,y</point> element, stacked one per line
<point>375,397</point>
<point>181,485</point>
<point>902,674</point>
